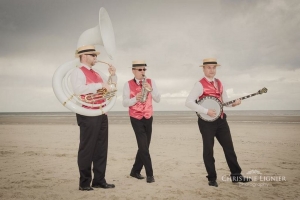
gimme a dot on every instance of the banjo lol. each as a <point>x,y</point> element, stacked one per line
<point>214,103</point>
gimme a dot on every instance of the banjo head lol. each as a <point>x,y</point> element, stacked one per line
<point>210,102</point>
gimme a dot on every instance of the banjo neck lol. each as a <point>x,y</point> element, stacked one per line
<point>261,91</point>
<point>242,98</point>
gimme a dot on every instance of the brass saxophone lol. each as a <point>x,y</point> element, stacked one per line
<point>145,90</point>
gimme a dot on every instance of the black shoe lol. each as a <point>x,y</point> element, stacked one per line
<point>104,185</point>
<point>85,188</point>
<point>213,183</point>
<point>136,175</point>
<point>150,179</point>
<point>240,178</point>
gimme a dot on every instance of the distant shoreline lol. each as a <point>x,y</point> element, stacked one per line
<point>228,111</point>
<point>159,118</point>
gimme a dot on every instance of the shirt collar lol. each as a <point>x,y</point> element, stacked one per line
<point>209,80</point>
<point>137,81</point>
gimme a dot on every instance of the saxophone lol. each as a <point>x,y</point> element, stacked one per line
<point>145,90</point>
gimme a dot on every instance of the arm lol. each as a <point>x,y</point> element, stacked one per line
<point>194,94</point>
<point>114,79</point>
<point>105,78</point>
<point>226,99</point>
<point>155,94</point>
<point>126,96</point>
<point>112,72</point>
<point>225,96</point>
<point>78,82</point>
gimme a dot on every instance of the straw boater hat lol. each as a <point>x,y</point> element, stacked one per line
<point>88,49</point>
<point>139,63</point>
<point>208,61</point>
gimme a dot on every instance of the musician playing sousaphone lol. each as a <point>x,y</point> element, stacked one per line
<point>137,95</point>
<point>205,87</point>
<point>93,129</point>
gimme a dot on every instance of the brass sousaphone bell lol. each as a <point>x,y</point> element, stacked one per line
<point>102,34</point>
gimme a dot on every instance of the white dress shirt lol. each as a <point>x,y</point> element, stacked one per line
<point>78,81</point>
<point>196,92</point>
<point>127,101</point>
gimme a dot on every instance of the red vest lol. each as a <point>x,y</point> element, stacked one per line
<point>140,110</point>
<point>91,77</point>
<point>210,90</point>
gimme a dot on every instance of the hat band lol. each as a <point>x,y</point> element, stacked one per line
<point>207,63</point>
<point>86,50</point>
<point>138,65</point>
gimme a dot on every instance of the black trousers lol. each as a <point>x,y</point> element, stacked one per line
<point>220,130</point>
<point>92,148</point>
<point>143,131</point>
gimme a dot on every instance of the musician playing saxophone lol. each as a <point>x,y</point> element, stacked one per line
<point>210,86</point>
<point>135,92</point>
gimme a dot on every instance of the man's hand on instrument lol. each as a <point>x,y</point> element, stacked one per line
<point>112,70</point>
<point>138,96</point>
<point>211,112</point>
<point>148,87</point>
<point>236,103</point>
<point>106,86</point>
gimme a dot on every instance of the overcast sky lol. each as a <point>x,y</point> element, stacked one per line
<point>257,44</point>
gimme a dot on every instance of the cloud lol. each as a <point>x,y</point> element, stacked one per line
<point>181,94</point>
<point>256,43</point>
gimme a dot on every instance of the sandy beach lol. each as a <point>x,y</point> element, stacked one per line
<point>39,159</point>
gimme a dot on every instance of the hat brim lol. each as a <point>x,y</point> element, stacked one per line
<point>210,64</point>
<point>85,53</point>
<point>138,66</point>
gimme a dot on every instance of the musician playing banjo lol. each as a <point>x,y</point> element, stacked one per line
<point>210,87</point>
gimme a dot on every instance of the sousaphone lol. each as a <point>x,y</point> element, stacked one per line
<point>102,34</point>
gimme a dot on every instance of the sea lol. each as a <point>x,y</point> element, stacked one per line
<point>160,117</point>
<point>167,113</point>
